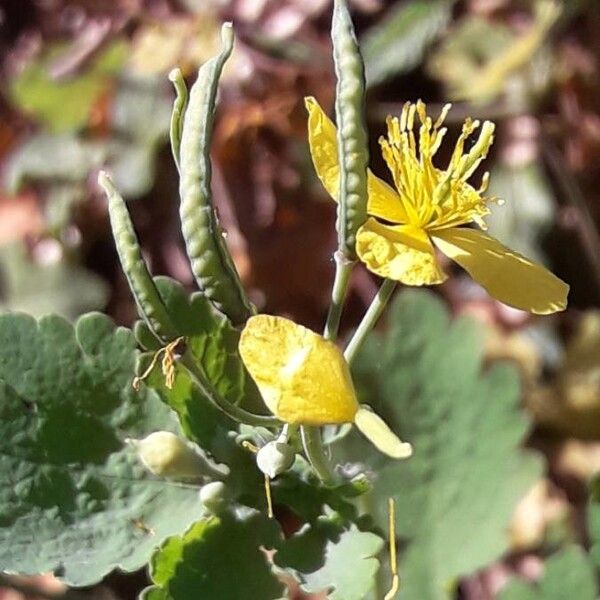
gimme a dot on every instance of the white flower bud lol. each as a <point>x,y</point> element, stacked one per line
<point>166,455</point>
<point>214,496</point>
<point>275,458</point>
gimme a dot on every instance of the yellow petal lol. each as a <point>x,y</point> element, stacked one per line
<point>506,275</point>
<point>302,377</point>
<point>383,201</point>
<point>373,427</point>
<point>400,252</point>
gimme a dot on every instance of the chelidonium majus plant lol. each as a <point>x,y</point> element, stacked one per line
<point>304,377</point>
<point>262,402</point>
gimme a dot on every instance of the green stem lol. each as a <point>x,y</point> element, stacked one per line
<point>369,320</point>
<point>343,268</point>
<point>313,447</point>
<point>311,436</point>
<point>231,410</point>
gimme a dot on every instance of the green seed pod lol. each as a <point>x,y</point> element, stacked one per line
<point>140,281</point>
<point>179,107</point>
<point>353,152</point>
<point>214,496</point>
<point>275,458</point>
<point>211,263</point>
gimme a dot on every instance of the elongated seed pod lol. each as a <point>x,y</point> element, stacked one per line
<point>149,302</point>
<point>353,152</point>
<point>211,263</point>
<point>179,107</point>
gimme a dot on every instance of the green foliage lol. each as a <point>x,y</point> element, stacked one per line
<point>455,496</point>
<point>63,287</point>
<point>64,105</point>
<point>567,574</point>
<point>73,497</point>
<point>212,342</point>
<point>327,556</point>
<point>398,43</point>
<point>139,121</point>
<point>218,557</point>
<point>210,337</point>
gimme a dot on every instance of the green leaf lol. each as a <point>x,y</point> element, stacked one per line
<point>326,556</point>
<point>567,574</point>
<point>455,496</point>
<point>63,287</point>
<point>73,496</point>
<point>64,105</point>
<point>213,342</point>
<point>397,43</point>
<point>54,158</point>
<point>218,557</point>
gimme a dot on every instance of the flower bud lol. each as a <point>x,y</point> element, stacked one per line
<point>275,458</point>
<point>214,496</point>
<point>166,455</point>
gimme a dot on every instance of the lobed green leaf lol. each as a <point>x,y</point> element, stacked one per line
<point>74,498</point>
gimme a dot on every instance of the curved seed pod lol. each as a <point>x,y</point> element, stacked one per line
<point>353,153</point>
<point>211,263</point>
<point>179,107</point>
<point>140,281</point>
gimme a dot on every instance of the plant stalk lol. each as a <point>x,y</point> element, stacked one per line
<point>343,268</point>
<point>368,321</point>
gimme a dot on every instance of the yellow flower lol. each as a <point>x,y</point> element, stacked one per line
<point>305,380</point>
<point>429,208</point>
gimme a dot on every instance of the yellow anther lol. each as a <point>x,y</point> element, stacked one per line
<point>445,110</point>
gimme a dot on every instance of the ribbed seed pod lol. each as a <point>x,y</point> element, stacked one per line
<point>140,281</point>
<point>353,153</point>
<point>179,107</point>
<point>211,263</point>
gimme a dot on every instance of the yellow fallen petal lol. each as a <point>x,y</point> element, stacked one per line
<point>506,275</point>
<point>383,201</point>
<point>373,427</point>
<point>303,378</point>
<point>400,252</point>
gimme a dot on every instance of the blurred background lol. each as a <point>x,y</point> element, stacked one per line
<point>84,86</point>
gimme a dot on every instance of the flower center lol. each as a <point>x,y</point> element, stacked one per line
<point>432,198</point>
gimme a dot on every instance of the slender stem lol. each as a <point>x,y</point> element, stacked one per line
<point>369,320</point>
<point>313,447</point>
<point>231,410</point>
<point>343,268</point>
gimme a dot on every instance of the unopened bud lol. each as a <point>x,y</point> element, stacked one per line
<point>275,458</point>
<point>166,455</point>
<point>214,496</point>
